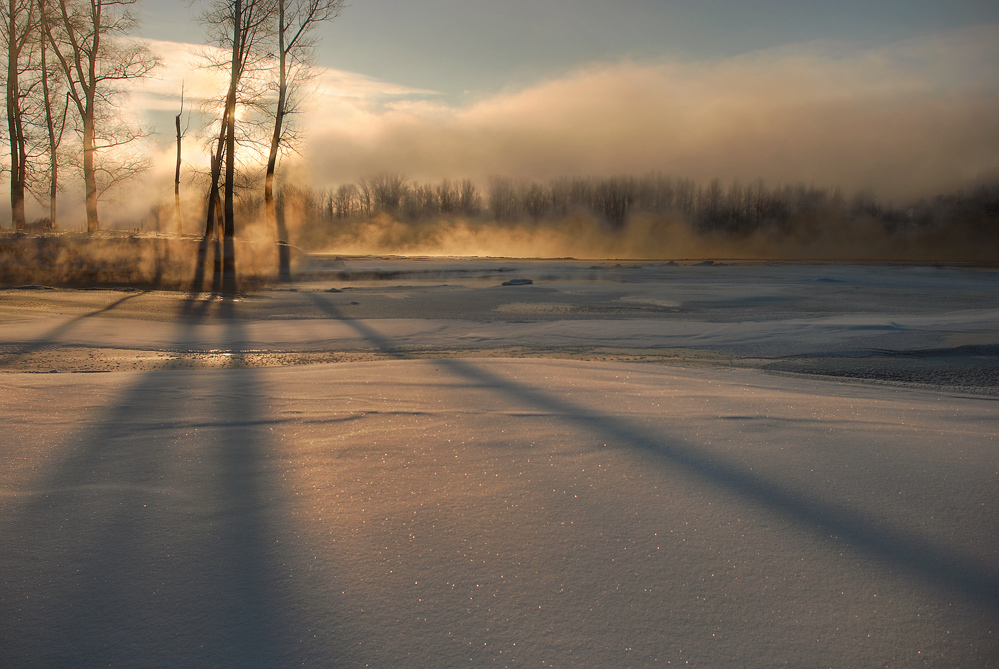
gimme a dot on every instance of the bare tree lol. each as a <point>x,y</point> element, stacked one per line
<point>18,33</point>
<point>176,173</point>
<point>469,201</point>
<point>94,60</point>
<point>345,201</point>
<point>296,21</point>
<point>229,230</point>
<point>388,190</point>
<point>241,27</point>
<point>365,194</point>
<point>55,120</point>
<point>447,196</point>
<point>503,198</point>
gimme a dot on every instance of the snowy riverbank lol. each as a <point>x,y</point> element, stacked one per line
<point>474,474</point>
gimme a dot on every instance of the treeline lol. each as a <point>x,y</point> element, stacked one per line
<point>392,193</point>
<point>66,65</point>
<point>732,209</point>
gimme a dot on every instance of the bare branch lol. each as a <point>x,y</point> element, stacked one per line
<point>86,37</point>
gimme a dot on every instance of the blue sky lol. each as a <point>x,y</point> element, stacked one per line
<point>483,46</point>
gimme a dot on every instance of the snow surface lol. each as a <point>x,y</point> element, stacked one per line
<point>458,510</point>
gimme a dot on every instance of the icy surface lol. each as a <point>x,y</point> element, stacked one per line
<point>461,510</point>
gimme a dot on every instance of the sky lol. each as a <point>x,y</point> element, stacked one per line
<point>465,49</point>
<point>898,97</point>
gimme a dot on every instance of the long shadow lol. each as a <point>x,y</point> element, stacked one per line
<point>265,633</point>
<point>146,544</point>
<point>48,340</point>
<point>383,344</point>
<point>197,284</point>
<point>894,549</point>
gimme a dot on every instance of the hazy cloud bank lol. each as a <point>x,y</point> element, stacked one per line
<point>907,119</point>
<point>912,118</point>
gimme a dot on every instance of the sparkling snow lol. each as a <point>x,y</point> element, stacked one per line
<point>462,491</point>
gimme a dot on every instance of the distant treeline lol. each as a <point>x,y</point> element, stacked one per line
<point>732,209</point>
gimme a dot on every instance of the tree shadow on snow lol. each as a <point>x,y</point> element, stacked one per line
<point>48,340</point>
<point>151,541</point>
<point>894,549</point>
<point>383,344</point>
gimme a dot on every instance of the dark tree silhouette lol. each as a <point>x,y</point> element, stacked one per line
<point>296,21</point>
<point>55,120</point>
<point>242,26</point>
<point>176,173</point>
<point>19,35</point>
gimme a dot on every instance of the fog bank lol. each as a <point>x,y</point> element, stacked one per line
<point>913,118</point>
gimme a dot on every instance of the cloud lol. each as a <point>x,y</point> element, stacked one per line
<point>180,66</point>
<point>905,119</point>
<point>185,65</point>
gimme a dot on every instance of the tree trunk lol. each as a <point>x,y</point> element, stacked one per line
<point>14,122</point>
<point>89,134</point>
<point>54,141</point>
<point>213,198</point>
<point>216,173</point>
<point>53,194</point>
<point>176,174</point>
<point>229,251</point>
<point>89,173</point>
<point>276,222</point>
<point>217,282</point>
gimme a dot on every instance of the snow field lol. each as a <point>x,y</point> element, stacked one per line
<point>494,512</point>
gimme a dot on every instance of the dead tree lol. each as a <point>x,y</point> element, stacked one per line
<point>18,32</point>
<point>176,173</point>
<point>229,230</point>
<point>94,63</point>
<point>296,21</point>
<point>55,121</point>
<point>241,25</point>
